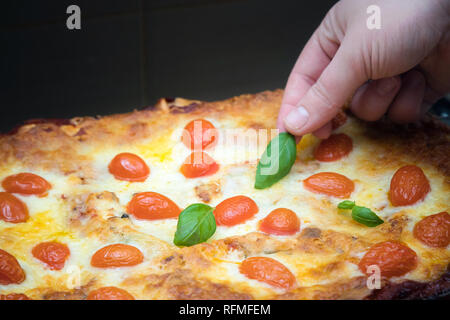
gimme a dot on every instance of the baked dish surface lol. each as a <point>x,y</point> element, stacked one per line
<point>89,206</point>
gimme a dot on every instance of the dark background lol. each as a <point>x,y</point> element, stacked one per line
<point>129,53</point>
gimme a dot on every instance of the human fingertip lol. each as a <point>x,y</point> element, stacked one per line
<point>296,120</point>
<point>372,100</point>
<point>280,125</point>
<point>324,132</point>
<point>388,85</point>
<point>406,108</point>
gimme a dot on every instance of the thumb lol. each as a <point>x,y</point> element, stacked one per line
<point>338,81</point>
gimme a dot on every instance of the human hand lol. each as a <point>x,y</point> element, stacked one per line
<point>407,62</point>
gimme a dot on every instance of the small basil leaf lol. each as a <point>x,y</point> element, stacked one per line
<point>276,161</point>
<point>366,216</point>
<point>196,224</point>
<point>346,204</point>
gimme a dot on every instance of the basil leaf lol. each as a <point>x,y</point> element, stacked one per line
<point>346,204</point>
<point>196,224</point>
<point>366,216</point>
<point>276,161</point>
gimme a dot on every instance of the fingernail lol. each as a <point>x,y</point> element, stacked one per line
<point>387,85</point>
<point>297,118</point>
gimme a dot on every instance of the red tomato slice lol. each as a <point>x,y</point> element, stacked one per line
<point>109,293</point>
<point>334,148</point>
<point>235,210</point>
<point>434,230</point>
<point>53,254</point>
<point>129,167</point>
<point>408,186</point>
<point>338,120</point>
<point>10,270</point>
<point>152,206</point>
<point>14,296</point>
<point>330,183</point>
<point>12,209</point>
<point>26,184</point>
<point>392,257</point>
<point>199,134</point>
<point>280,221</point>
<point>116,256</point>
<point>268,270</point>
<point>199,164</point>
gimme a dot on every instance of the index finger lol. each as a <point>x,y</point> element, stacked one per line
<point>313,59</point>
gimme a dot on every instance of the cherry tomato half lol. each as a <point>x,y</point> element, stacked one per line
<point>235,210</point>
<point>117,255</point>
<point>199,134</point>
<point>408,186</point>
<point>152,206</point>
<point>14,296</point>
<point>392,257</point>
<point>434,230</point>
<point>198,164</point>
<point>339,120</point>
<point>10,270</point>
<point>129,167</point>
<point>12,209</point>
<point>334,148</point>
<point>109,293</point>
<point>331,184</point>
<point>52,254</point>
<point>280,221</point>
<point>268,270</point>
<point>26,184</point>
